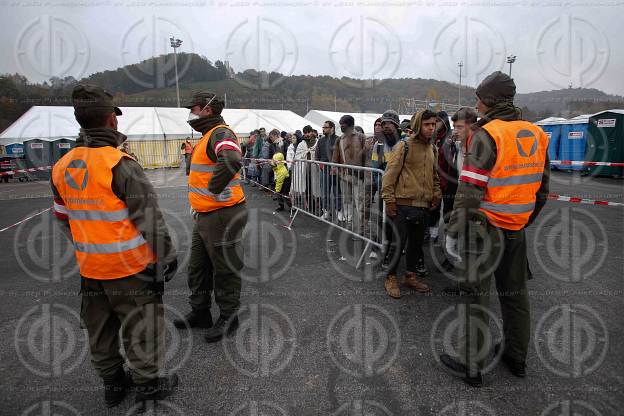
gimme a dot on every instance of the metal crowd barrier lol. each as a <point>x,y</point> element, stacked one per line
<point>343,196</point>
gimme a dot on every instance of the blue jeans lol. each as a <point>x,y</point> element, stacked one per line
<point>330,189</point>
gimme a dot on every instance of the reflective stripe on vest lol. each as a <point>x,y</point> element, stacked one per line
<point>107,244</point>
<point>110,248</point>
<point>517,173</point>
<point>202,170</point>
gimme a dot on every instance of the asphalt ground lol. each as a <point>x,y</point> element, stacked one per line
<point>319,337</point>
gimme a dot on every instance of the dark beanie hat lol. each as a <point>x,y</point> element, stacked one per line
<point>496,88</point>
<point>348,120</point>
<point>283,134</point>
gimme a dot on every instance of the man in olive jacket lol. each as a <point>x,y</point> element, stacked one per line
<point>411,188</point>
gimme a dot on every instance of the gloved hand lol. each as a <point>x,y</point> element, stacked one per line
<point>451,249</point>
<point>194,214</point>
<point>170,269</point>
<point>391,209</point>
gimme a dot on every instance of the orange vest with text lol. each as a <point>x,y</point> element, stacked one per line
<point>517,174</point>
<point>202,169</point>
<point>107,244</point>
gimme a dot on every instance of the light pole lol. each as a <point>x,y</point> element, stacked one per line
<point>460,65</point>
<point>510,60</point>
<point>175,44</point>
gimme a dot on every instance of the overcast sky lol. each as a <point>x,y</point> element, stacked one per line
<point>555,45</point>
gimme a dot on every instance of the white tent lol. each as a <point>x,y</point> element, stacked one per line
<point>145,123</point>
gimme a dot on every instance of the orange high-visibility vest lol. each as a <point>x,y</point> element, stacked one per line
<point>202,169</point>
<point>107,244</point>
<point>517,174</point>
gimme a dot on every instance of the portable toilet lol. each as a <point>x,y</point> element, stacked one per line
<point>38,154</point>
<point>606,141</point>
<point>552,128</point>
<point>60,147</point>
<point>15,150</point>
<point>573,141</point>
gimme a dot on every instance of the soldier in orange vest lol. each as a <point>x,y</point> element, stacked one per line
<point>503,186</point>
<point>108,208</point>
<point>218,208</point>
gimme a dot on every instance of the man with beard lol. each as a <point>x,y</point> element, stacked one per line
<point>352,149</point>
<point>218,208</point>
<point>330,189</point>
<point>411,188</point>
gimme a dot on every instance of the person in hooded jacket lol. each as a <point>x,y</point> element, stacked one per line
<point>447,170</point>
<point>411,188</point>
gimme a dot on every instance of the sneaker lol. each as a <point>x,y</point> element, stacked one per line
<point>341,217</point>
<point>279,209</point>
<point>373,255</point>
<point>421,270</point>
<point>225,326</point>
<point>195,319</point>
<point>325,215</point>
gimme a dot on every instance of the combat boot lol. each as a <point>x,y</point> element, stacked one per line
<point>412,282</point>
<point>195,319</point>
<point>154,390</point>
<point>225,326</point>
<point>517,368</point>
<point>116,387</point>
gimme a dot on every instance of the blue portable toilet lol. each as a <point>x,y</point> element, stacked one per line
<point>573,141</point>
<point>552,128</point>
<point>15,150</point>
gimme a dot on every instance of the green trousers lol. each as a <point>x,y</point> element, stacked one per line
<point>489,252</point>
<point>133,307</point>
<point>217,259</point>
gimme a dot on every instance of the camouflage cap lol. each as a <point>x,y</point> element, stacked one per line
<point>92,96</point>
<point>202,99</point>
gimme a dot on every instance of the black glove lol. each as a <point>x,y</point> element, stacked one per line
<point>170,270</point>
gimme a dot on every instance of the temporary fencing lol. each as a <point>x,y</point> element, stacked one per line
<point>343,196</point>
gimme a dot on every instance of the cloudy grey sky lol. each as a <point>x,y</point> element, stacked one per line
<point>556,43</point>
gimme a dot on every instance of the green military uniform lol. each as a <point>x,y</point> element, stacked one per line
<point>132,304</point>
<point>489,251</point>
<point>216,257</point>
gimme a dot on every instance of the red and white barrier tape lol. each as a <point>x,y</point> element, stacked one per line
<point>13,172</point>
<point>582,163</point>
<point>576,200</point>
<point>25,219</point>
